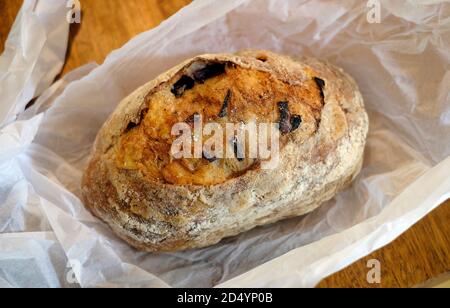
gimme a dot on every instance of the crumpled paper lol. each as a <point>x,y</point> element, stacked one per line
<point>401,66</point>
<point>34,54</point>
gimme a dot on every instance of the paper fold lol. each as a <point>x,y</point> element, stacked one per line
<point>34,55</point>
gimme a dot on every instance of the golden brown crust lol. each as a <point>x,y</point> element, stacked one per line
<point>315,162</point>
<point>252,96</point>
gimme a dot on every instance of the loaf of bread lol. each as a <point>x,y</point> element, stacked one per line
<point>159,202</point>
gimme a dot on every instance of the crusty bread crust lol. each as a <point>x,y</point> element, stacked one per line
<point>156,216</point>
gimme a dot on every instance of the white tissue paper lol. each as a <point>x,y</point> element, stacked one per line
<point>402,67</point>
<point>34,54</point>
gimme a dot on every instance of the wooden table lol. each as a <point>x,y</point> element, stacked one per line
<point>420,254</point>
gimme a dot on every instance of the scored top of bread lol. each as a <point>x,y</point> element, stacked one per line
<point>158,203</point>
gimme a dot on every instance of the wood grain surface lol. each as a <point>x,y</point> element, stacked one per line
<point>420,254</point>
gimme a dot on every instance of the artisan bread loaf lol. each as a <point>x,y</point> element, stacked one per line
<point>158,202</point>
